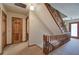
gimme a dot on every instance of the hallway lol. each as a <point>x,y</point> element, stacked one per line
<point>22,49</point>
<point>70,48</point>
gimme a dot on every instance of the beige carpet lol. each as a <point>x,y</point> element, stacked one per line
<point>22,49</point>
<point>34,50</point>
<point>15,48</point>
<point>70,48</point>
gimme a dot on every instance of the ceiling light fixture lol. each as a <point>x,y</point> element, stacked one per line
<point>32,7</point>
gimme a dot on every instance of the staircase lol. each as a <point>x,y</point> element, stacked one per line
<point>57,39</point>
<point>44,20</point>
<point>57,18</point>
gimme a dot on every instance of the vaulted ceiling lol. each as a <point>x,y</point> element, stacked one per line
<point>71,10</point>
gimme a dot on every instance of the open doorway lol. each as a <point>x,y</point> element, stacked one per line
<point>74,29</point>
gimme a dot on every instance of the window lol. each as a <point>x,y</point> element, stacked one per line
<point>74,29</point>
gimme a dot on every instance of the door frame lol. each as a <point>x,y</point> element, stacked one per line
<point>12,29</point>
<point>27,34</point>
<point>4,14</point>
<point>77,29</point>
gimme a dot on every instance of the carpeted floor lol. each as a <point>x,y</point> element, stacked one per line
<point>34,50</point>
<point>22,49</point>
<point>70,48</point>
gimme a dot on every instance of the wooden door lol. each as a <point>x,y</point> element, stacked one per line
<point>4,29</point>
<point>16,30</point>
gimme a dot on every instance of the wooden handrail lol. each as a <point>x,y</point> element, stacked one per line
<point>48,41</point>
<point>51,11</point>
<point>62,21</point>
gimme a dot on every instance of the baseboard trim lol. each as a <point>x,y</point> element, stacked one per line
<point>15,43</point>
<point>31,45</point>
<point>35,45</point>
<point>1,53</point>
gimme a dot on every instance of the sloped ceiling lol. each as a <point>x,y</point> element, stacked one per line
<point>13,8</point>
<point>71,10</point>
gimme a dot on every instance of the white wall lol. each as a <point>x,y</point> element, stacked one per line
<point>47,19</point>
<point>9,25</point>
<point>41,22</point>
<point>36,30</point>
